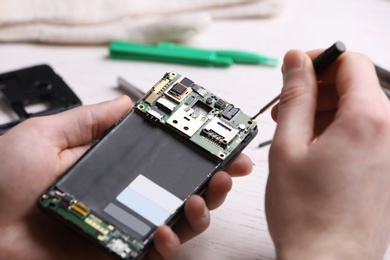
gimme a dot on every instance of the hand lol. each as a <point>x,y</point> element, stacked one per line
<point>38,151</point>
<point>327,195</point>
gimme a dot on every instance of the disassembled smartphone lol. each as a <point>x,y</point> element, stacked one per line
<point>138,176</point>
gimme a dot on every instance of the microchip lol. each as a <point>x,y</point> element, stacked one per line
<point>230,111</point>
<point>177,90</point>
<point>187,82</point>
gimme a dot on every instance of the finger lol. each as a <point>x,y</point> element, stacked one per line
<point>357,83</point>
<point>362,100</point>
<point>241,166</point>
<point>166,244</point>
<point>196,220</point>
<point>297,104</point>
<point>329,73</point>
<point>217,190</point>
<point>196,211</point>
<point>81,125</point>
<point>327,100</point>
<point>357,87</point>
<point>347,60</point>
<point>69,156</point>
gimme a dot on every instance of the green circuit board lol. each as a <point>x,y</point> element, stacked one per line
<point>85,219</point>
<point>198,115</point>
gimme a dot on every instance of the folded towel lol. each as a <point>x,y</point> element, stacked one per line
<point>101,21</point>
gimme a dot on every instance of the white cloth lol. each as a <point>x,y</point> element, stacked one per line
<point>101,21</point>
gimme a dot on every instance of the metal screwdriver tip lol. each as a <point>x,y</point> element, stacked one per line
<point>264,108</point>
<point>263,144</point>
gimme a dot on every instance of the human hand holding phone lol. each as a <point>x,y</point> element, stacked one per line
<point>38,151</point>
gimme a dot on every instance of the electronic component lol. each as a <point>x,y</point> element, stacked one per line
<point>138,176</point>
<point>178,91</point>
<point>186,121</point>
<point>230,111</point>
<point>156,90</point>
<point>199,90</point>
<point>220,104</point>
<point>155,115</point>
<point>187,82</point>
<point>165,104</point>
<point>80,208</point>
<point>219,132</point>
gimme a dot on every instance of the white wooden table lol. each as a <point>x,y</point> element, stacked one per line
<point>238,229</point>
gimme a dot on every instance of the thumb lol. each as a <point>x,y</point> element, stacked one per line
<point>296,109</point>
<point>81,125</point>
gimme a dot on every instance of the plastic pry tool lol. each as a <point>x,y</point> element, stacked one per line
<point>176,53</point>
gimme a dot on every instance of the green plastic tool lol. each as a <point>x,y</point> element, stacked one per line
<point>176,53</point>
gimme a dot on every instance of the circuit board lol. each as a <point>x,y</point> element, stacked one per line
<point>139,175</point>
<point>84,219</point>
<point>197,114</point>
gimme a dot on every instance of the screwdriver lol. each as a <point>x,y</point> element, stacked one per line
<point>320,63</point>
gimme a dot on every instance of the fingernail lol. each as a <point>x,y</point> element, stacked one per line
<point>293,60</point>
<point>206,214</point>
<point>121,97</point>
